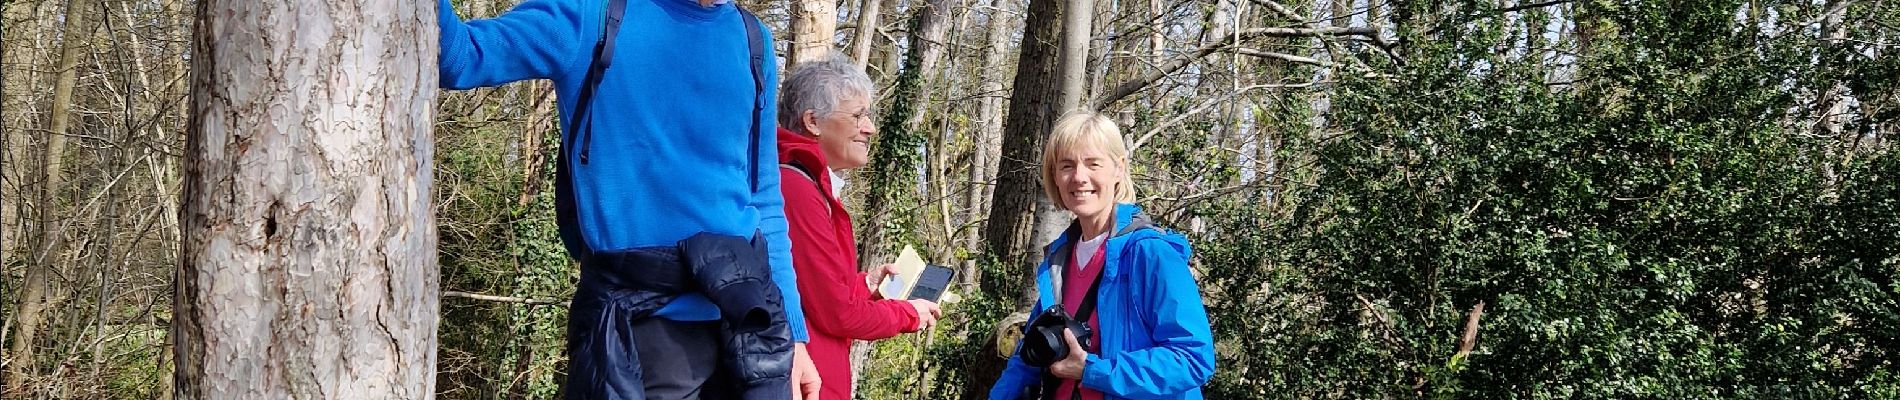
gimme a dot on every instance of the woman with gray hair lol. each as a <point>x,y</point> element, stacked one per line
<point>825,125</point>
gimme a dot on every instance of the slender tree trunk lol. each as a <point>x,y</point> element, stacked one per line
<point>886,56</point>
<point>867,31</point>
<point>989,130</point>
<point>1078,19</point>
<point>308,268</point>
<point>15,100</point>
<point>814,23</point>
<point>33,296</point>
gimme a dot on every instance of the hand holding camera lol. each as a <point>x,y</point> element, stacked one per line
<point>1055,337</point>
<point>1071,368</point>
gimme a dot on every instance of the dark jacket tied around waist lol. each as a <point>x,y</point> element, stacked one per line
<point>619,287</point>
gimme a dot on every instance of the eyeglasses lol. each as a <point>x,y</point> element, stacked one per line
<point>861,116</point>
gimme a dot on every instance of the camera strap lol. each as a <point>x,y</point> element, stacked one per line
<point>1083,312</point>
<point>1087,308</point>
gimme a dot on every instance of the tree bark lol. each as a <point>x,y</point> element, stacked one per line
<point>814,22</point>
<point>1031,114</point>
<point>886,57</point>
<point>308,268</point>
<point>867,31</point>
<point>1018,196</point>
<point>1078,18</point>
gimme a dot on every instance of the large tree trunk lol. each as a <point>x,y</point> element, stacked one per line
<point>1018,197</point>
<point>814,22</point>
<point>1077,25</point>
<point>1018,190</point>
<point>893,196</point>
<point>33,297</point>
<point>894,189</point>
<point>308,268</point>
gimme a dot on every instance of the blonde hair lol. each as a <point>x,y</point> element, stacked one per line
<point>1084,130</point>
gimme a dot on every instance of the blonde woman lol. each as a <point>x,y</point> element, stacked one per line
<point>1114,272</point>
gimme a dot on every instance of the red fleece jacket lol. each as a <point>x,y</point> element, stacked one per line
<point>838,304</point>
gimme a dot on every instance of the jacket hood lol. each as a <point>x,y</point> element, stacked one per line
<point>1132,225</point>
<point>804,150</point>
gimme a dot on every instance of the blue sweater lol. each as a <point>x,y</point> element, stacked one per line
<point>669,153</point>
<point>1155,339</point>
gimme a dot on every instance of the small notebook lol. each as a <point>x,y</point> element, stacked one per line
<point>909,268</point>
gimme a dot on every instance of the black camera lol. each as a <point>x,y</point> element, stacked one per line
<point>1042,341</point>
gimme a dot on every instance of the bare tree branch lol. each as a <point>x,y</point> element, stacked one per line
<point>1280,9</point>
<point>504,299</point>
<point>1279,56</point>
<point>1522,7</point>
<point>1308,32</point>
<point>1131,86</point>
<point>1209,103</point>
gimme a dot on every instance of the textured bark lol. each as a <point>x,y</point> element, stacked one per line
<point>885,56</point>
<point>1031,114</point>
<point>534,148</point>
<point>814,22</point>
<point>1018,197</point>
<point>1078,22</point>
<point>308,268</point>
<point>33,296</point>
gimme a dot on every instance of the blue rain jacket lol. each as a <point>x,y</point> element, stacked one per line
<point>1155,339</point>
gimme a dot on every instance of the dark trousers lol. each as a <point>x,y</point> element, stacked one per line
<point>678,359</point>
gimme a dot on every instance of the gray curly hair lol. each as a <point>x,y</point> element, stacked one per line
<point>817,85</point>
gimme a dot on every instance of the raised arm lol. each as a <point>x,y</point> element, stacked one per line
<point>538,39</point>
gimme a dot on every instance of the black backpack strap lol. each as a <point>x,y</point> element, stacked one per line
<point>597,70</point>
<point>756,42</point>
<point>795,166</point>
<point>603,58</point>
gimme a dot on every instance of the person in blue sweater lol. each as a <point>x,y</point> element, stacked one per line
<point>1150,338</point>
<point>667,190</point>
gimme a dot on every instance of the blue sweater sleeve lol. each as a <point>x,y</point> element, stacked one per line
<point>538,39</point>
<point>771,202</point>
<point>1183,356</point>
